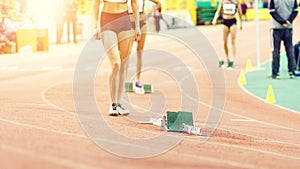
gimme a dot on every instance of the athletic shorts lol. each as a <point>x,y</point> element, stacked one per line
<point>142,23</point>
<point>142,20</point>
<point>229,22</point>
<point>115,22</point>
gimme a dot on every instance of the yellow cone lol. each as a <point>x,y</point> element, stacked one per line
<point>270,98</point>
<point>242,78</point>
<point>249,66</point>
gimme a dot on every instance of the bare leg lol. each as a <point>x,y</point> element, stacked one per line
<point>110,43</point>
<point>125,46</point>
<point>233,31</point>
<point>140,48</point>
<point>226,32</point>
<point>68,30</point>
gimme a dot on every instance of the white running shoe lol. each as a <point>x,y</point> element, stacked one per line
<point>113,111</point>
<point>225,65</point>
<point>138,88</point>
<point>121,110</point>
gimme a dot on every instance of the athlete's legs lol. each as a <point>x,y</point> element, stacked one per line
<point>125,46</point>
<point>226,32</point>
<point>233,31</point>
<point>140,48</point>
<point>110,43</point>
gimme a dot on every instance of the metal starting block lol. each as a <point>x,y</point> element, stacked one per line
<point>130,87</point>
<point>191,129</point>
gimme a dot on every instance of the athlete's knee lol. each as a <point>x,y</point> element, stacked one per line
<point>225,43</point>
<point>115,67</point>
<point>233,42</point>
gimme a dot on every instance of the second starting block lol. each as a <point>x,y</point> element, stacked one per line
<point>147,88</point>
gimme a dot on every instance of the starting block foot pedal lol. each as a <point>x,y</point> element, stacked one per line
<point>128,87</point>
<point>146,88</point>
<point>175,120</point>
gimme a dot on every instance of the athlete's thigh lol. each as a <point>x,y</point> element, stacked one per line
<point>233,31</point>
<point>141,42</point>
<point>110,44</point>
<point>125,43</point>
<point>226,32</point>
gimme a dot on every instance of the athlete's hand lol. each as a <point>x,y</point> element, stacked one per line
<point>97,34</point>
<point>148,15</point>
<point>137,37</point>
<point>214,22</point>
<point>138,34</point>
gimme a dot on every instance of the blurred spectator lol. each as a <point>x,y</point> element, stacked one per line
<point>244,8</point>
<point>23,4</point>
<point>296,52</point>
<point>7,34</point>
<point>157,17</point>
<point>8,29</point>
<point>265,3</point>
<point>59,13</point>
<point>251,3</point>
<point>71,18</point>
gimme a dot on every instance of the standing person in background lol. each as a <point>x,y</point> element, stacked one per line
<point>244,8</point>
<point>296,54</point>
<point>157,17</point>
<point>59,14</point>
<point>117,37</point>
<point>283,13</point>
<point>229,8</point>
<point>71,17</point>
<point>141,43</point>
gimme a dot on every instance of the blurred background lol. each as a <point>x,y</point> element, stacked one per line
<point>35,24</point>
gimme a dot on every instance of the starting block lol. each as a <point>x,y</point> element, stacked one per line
<point>177,120</point>
<point>130,87</point>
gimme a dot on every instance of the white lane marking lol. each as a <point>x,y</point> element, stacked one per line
<point>192,139</point>
<point>8,68</point>
<point>255,149</point>
<point>35,104</point>
<point>243,120</point>
<point>31,69</point>
<point>226,162</point>
<point>240,116</point>
<point>294,111</point>
<point>43,96</point>
<point>51,68</point>
<point>57,160</point>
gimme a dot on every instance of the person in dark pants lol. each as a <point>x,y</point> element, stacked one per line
<point>296,52</point>
<point>71,18</point>
<point>157,17</point>
<point>283,13</point>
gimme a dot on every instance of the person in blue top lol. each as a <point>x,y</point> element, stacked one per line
<point>283,13</point>
<point>228,9</point>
